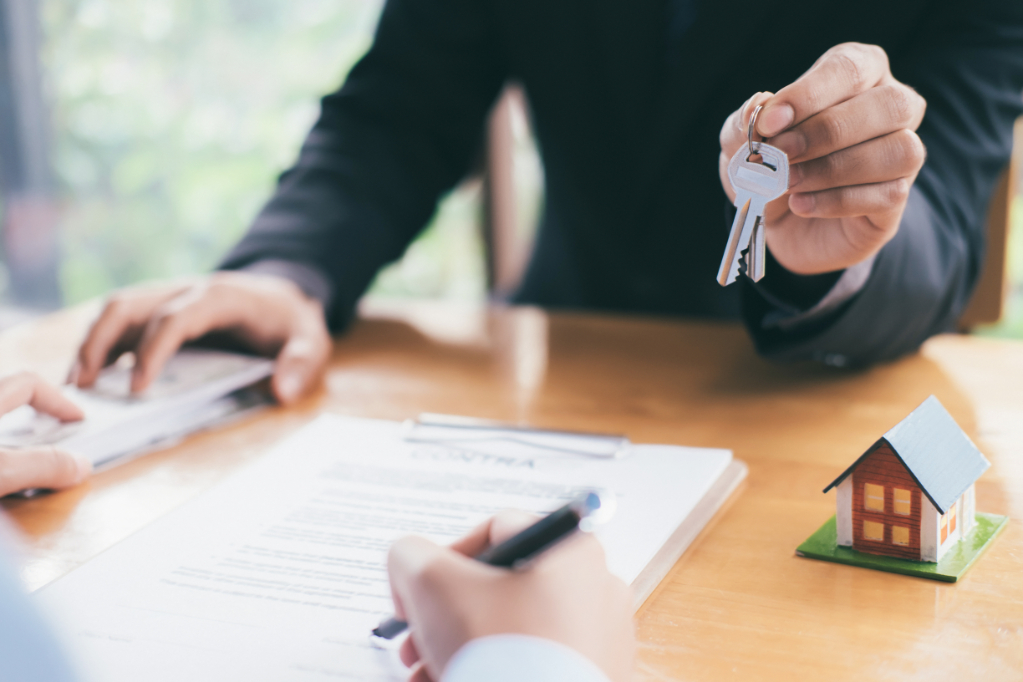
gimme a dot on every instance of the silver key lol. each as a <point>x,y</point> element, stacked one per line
<point>755,185</point>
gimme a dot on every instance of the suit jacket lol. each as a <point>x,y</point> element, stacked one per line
<point>627,100</point>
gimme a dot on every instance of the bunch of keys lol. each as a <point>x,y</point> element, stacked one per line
<point>755,185</point>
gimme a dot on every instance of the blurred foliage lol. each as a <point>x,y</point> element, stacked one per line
<point>172,119</point>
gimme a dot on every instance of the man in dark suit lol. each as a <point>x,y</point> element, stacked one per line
<point>875,247</point>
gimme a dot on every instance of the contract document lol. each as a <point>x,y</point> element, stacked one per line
<point>279,573</point>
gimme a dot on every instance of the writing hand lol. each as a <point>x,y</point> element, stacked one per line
<point>567,596</point>
<point>848,128</point>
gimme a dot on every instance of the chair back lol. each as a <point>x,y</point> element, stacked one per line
<point>987,305</point>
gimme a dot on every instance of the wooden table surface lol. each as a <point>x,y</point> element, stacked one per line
<point>739,604</point>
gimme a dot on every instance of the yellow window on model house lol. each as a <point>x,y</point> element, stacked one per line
<point>873,497</point>
<point>872,530</point>
<point>944,527</point>
<point>900,535</point>
<point>903,502</point>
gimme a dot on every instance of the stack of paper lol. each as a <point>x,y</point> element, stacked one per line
<point>197,388</point>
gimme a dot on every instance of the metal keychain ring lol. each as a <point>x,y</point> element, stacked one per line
<point>752,127</point>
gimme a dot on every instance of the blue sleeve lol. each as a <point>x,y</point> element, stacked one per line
<point>28,650</point>
<point>515,658</point>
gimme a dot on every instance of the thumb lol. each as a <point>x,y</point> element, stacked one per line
<point>41,468</point>
<point>408,560</point>
<point>299,365</point>
<point>734,133</point>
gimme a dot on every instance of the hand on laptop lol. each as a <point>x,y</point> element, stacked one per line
<point>45,466</point>
<point>567,596</point>
<point>269,315</point>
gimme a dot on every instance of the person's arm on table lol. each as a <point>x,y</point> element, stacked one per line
<point>399,133</point>
<point>879,252</point>
<point>564,618</point>
<point>44,466</point>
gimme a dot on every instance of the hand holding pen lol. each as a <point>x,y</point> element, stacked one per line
<point>565,595</point>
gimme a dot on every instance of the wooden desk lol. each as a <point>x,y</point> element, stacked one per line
<point>740,604</point>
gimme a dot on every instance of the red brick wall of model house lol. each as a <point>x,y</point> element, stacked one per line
<point>883,468</point>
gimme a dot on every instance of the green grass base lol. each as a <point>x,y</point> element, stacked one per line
<point>823,545</point>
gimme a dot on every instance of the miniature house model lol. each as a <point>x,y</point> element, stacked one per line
<point>911,494</point>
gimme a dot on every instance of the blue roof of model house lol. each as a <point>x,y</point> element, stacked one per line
<point>942,459</point>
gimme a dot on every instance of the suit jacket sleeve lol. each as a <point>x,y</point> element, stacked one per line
<point>400,132</point>
<point>967,62</point>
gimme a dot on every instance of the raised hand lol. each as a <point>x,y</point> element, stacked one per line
<point>848,128</point>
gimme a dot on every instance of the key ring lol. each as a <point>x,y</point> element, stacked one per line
<point>752,127</point>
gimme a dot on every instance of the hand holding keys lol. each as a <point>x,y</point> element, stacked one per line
<point>755,185</point>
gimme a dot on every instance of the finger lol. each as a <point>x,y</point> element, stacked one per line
<point>871,114</point>
<point>841,73</point>
<point>47,467</point>
<point>182,319</point>
<point>28,389</point>
<point>420,674</point>
<point>859,200</point>
<point>493,531</point>
<point>476,541</point>
<point>408,653</point>
<point>896,155</point>
<point>299,365</point>
<point>734,131</point>
<point>509,523</point>
<point>406,559</point>
<point>581,549</point>
<point>120,317</point>
<point>417,567</point>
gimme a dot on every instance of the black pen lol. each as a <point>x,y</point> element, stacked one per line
<point>519,549</point>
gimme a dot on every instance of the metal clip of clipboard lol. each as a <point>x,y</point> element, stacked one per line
<point>444,429</point>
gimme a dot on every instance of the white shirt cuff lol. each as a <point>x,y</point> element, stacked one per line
<point>517,658</point>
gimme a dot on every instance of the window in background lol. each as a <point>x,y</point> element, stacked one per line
<point>172,119</point>
<point>29,213</point>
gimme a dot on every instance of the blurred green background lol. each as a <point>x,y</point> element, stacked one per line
<point>172,119</point>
